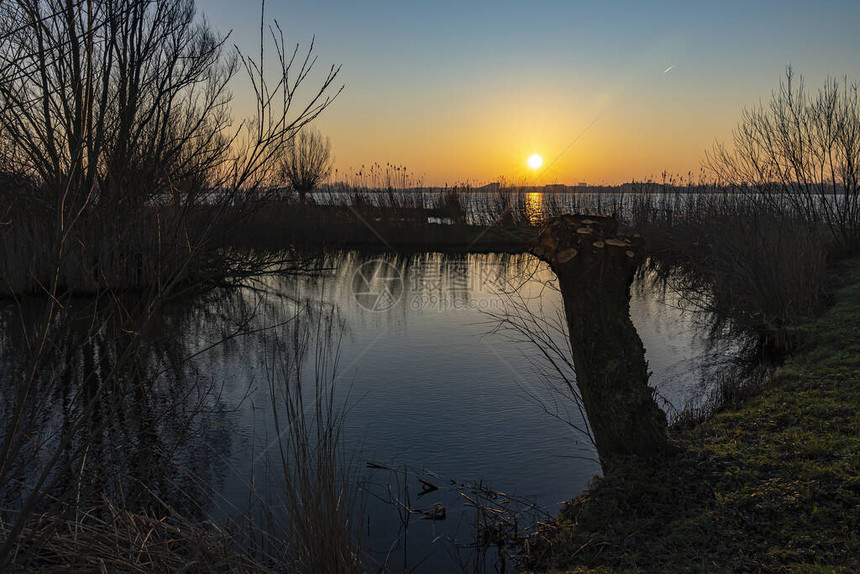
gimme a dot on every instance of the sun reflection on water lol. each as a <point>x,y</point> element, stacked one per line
<point>534,207</point>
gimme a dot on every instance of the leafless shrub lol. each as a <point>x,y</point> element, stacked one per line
<point>735,256</point>
<point>801,153</point>
<point>307,161</point>
<point>115,114</point>
<point>319,494</point>
<point>119,111</point>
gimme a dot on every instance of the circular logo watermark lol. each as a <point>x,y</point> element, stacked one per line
<point>377,285</point>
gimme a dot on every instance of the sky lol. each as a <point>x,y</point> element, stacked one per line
<point>606,92</point>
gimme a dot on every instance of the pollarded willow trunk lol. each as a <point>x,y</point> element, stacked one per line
<point>595,268</point>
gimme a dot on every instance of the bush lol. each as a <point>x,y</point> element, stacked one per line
<point>801,154</point>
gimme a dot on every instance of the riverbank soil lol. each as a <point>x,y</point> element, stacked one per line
<point>769,486</point>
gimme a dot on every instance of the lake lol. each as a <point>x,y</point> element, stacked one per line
<point>437,392</point>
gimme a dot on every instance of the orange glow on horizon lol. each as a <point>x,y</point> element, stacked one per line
<point>491,143</point>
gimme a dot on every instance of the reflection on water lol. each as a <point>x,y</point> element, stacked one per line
<point>535,210</point>
<point>433,393</point>
<point>108,419</point>
<point>488,207</point>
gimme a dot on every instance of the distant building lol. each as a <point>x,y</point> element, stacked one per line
<point>582,184</point>
<point>495,186</point>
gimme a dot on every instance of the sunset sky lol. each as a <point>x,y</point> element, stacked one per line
<point>467,90</point>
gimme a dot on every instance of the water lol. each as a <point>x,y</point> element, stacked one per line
<point>534,205</point>
<point>431,388</point>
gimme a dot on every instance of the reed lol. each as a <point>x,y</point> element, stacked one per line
<point>108,539</point>
<point>319,495</point>
<point>736,256</point>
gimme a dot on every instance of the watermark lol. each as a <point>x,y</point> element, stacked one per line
<point>440,285</point>
<point>377,285</point>
<point>442,303</point>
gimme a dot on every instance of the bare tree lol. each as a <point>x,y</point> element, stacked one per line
<point>115,113</point>
<point>801,152</point>
<point>119,108</point>
<point>307,161</point>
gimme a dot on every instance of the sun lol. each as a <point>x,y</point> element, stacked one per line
<point>535,161</point>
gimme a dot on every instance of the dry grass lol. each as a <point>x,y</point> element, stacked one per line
<point>105,488</point>
<point>319,496</point>
<point>108,539</point>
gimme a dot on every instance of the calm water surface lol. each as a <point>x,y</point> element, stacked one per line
<point>431,389</point>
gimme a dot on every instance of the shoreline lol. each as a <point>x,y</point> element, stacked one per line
<point>770,485</point>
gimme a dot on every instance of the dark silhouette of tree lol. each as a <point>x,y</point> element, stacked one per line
<point>117,108</point>
<point>801,153</point>
<point>107,101</point>
<point>120,163</point>
<point>307,161</point>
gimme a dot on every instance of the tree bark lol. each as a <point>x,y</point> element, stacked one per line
<point>595,269</point>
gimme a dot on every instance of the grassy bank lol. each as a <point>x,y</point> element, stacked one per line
<point>771,485</point>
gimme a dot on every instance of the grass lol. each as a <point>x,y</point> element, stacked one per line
<point>112,540</point>
<point>772,485</point>
<point>149,249</point>
<point>730,252</point>
<point>507,218</point>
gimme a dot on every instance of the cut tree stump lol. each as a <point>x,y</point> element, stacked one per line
<point>595,268</point>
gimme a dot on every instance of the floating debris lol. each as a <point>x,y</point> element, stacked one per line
<point>426,487</point>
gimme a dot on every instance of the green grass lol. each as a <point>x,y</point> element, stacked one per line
<point>772,486</point>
